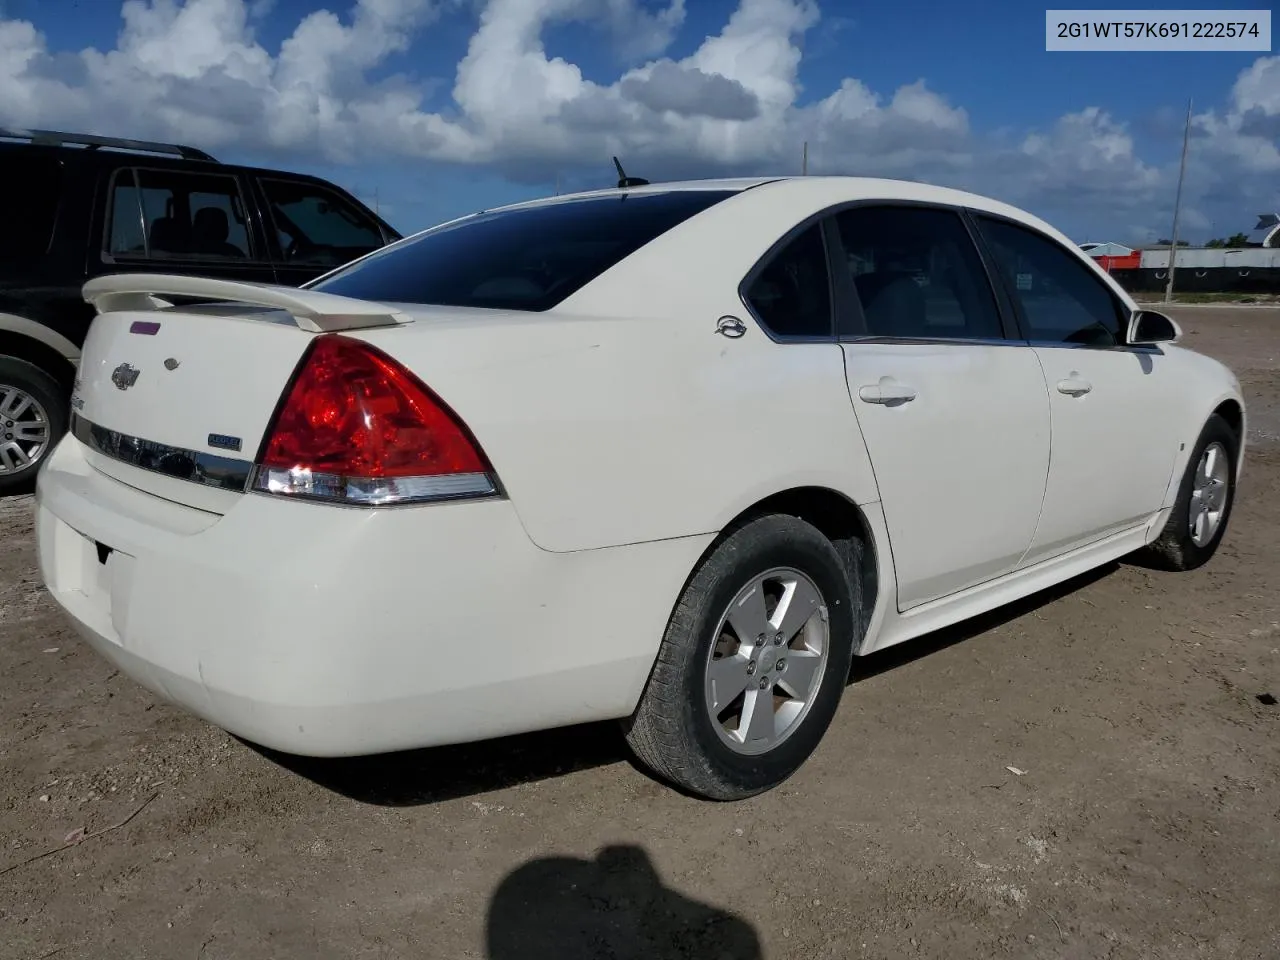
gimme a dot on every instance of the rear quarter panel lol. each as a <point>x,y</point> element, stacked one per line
<point>622,416</point>
<point>607,431</point>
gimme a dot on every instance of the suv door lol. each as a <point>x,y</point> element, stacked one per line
<point>314,228</point>
<point>1113,445</point>
<point>953,410</point>
<point>181,221</point>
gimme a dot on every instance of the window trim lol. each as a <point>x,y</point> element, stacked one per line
<point>269,207</point>
<point>1015,304</point>
<point>109,209</point>
<point>776,249</point>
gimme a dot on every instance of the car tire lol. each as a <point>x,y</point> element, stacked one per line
<point>1179,547</point>
<point>40,405</point>
<point>685,728</point>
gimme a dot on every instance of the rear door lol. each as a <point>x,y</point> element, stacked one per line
<point>1114,443</point>
<point>953,408</point>
<point>168,220</point>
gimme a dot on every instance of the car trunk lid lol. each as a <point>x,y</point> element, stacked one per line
<point>175,400</point>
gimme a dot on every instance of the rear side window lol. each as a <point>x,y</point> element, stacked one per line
<point>33,187</point>
<point>791,295</point>
<point>917,274</point>
<point>167,214</point>
<point>523,259</point>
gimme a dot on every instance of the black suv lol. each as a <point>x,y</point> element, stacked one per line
<point>92,205</point>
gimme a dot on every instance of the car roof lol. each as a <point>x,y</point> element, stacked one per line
<point>842,189</point>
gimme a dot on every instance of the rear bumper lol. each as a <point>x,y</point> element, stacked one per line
<point>331,631</point>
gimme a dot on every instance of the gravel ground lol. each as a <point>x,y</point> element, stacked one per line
<point>1145,821</point>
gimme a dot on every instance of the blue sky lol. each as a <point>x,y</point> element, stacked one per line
<point>446,106</point>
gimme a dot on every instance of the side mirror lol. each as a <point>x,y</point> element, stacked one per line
<point>1148,326</point>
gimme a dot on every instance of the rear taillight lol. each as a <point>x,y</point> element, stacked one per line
<point>356,427</point>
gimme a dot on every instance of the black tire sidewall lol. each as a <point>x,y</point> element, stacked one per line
<point>30,379</point>
<point>753,550</point>
<point>1216,430</point>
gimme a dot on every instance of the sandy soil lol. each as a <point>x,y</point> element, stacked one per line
<point>1146,822</point>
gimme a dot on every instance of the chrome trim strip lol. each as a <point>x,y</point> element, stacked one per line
<point>195,466</point>
<point>872,339</point>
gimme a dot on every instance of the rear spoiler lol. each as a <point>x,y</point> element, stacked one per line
<point>311,310</point>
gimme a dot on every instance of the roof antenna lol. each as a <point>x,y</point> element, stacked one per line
<point>624,181</point>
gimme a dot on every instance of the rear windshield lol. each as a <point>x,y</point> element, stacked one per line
<point>523,259</point>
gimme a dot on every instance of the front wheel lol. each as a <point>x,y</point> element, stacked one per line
<point>1199,519</point>
<point>33,417</point>
<point>753,663</point>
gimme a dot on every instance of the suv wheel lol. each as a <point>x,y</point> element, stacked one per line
<point>33,417</point>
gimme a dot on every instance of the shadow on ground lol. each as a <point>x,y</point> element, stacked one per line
<point>418,777</point>
<point>613,906</point>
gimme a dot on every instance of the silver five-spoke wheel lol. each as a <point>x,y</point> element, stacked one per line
<point>767,660</point>
<point>753,661</point>
<point>24,430</point>
<point>1209,489</point>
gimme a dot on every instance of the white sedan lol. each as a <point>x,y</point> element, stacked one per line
<point>672,454</point>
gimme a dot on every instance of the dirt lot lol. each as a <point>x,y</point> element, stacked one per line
<point>1146,822</point>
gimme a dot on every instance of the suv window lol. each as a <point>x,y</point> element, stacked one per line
<point>315,225</point>
<point>791,295</point>
<point>165,214</point>
<point>918,274</point>
<point>1062,301</point>
<point>33,187</point>
<point>528,258</point>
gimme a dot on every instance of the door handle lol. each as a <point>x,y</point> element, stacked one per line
<point>887,391</point>
<point>1073,386</point>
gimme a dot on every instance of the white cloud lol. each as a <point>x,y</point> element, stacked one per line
<point>194,71</point>
<point>1246,132</point>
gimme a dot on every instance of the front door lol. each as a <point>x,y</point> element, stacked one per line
<point>954,413</point>
<point>1113,446</point>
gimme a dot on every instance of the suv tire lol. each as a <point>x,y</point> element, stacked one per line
<point>33,418</point>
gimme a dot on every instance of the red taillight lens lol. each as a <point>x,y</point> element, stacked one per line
<point>356,426</point>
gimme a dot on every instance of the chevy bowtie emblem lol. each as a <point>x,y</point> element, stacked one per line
<point>125,376</point>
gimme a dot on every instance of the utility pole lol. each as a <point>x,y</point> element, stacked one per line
<point>1177,207</point>
<point>804,160</point>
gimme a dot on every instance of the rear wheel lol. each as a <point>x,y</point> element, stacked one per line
<point>753,663</point>
<point>33,416</point>
<point>1200,514</point>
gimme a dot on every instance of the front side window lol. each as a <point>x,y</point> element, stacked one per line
<point>917,274</point>
<point>1062,301</point>
<point>791,295</point>
<point>33,188</point>
<point>317,226</point>
<point>528,258</point>
<point>167,214</point>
